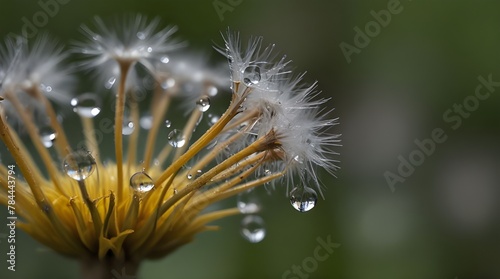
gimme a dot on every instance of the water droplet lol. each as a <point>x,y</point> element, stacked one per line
<point>47,135</point>
<point>128,127</point>
<point>110,82</point>
<point>141,182</point>
<point>168,123</point>
<point>212,91</point>
<point>176,138</point>
<point>251,75</point>
<point>248,202</point>
<point>303,198</point>
<point>79,165</point>
<point>298,159</point>
<point>46,88</point>
<point>141,35</point>
<point>252,228</point>
<point>86,105</point>
<point>150,49</point>
<point>189,176</point>
<point>203,103</point>
<point>212,119</point>
<point>146,121</point>
<point>168,83</point>
<point>165,59</point>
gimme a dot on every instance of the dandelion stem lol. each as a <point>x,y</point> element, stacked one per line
<point>132,144</point>
<point>96,219</point>
<point>61,142</point>
<point>259,145</point>
<point>120,107</point>
<point>33,133</point>
<point>88,133</point>
<point>187,132</point>
<point>206,138</point>
<point>38,194</point>
<point>158,111</point>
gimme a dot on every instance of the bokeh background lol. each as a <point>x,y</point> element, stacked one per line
<point>442,222</point>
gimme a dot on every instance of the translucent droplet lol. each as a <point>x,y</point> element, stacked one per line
<point>46,88</point>
<point>168,123</point>
<point>165,59</point>
<point>212,119</point>
<point>212,91</point>
<point>128,127</point>
<point>150,49</point>
<point>176,138</point>
<point>79,165</point>
<point>251,75</point>
<point>189,176</point>
<point>141,35</point>
<point>86,105</point>
<point>203,103</point>
<point>168,83</point>
<point>303,198</point>
<point>146,121</point>
<point>47,135</point>
<point>110,82</point>
<point>141,182</point>
<point>248,202</point>
<point>252,228</point>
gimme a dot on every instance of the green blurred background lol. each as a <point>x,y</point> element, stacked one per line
<point>442,222</point>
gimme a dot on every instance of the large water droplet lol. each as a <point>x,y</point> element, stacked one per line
<point>146,121</point>
<point>248,202</point>
<point>203,104</point>
<point>79,165</point>
<point>141,182</point>
<point>176,138</point>
<point>47,135</point>
<point>252,228</point>
<point>128,127</point>
<point>86,105</point>
<point>303,198</point>
<point>251,75</point>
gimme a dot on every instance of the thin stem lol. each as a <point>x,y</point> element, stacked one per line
<point>96,219</point>
<point>257,146</point>
<point>187,132</point>
<point>158,111</point>
<point>206,138</point>
<point>33,133</point>
<point>132,144</point>
<point>61,142</point>
<point>36,190</point>
<point>88,133</point>
<point>120,107</point>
